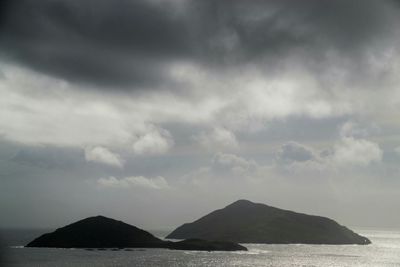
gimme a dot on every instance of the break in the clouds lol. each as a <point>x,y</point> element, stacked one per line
<point>293,103</point>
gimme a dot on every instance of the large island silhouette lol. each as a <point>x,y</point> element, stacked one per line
<point>247,222</point>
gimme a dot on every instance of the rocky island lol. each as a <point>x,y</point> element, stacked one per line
<point>247,222</point>
<point>102,232</point>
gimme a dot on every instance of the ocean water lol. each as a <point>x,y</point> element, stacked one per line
<point>384,251</point>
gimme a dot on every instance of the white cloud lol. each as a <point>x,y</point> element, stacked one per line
<point>103,155</point>
<point>292,160</point>
<point>354,148</point>
<point>36,109</point>
<point>158,182</point>
<point>356,151</point>
<point>217,139</point>
<point>397,150</point>
<point>347,152</point>
<point>156,141</point>
<point>293,92</point>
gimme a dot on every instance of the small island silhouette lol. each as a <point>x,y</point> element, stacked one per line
<point>103,232</point>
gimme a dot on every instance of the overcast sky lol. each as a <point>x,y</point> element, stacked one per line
<point>157,112</point>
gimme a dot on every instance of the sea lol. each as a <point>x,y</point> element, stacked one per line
<point>384,251</point>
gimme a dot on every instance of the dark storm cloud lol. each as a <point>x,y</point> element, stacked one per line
<point>105,42</point>
<point>130,43</point>
<point>276,26</point>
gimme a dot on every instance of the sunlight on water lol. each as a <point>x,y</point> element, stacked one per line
<point>385,251</point>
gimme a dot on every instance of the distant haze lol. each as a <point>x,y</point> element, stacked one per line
<point>157,112</point>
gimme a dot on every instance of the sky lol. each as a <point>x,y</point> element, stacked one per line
<point>157,112</point>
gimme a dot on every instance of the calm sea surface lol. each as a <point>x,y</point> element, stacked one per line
<point>385,251</point>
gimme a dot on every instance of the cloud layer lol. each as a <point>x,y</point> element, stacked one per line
<point>133,43</point>
<point>189,103</point>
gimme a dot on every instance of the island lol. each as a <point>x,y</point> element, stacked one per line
<point>103,232</point>
<point>246,222</point>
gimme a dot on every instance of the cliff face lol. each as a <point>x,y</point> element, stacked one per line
<point>247,222</point>
<point>102,232</point>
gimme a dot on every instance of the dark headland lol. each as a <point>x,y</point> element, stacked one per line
<point>102,232</point>
<point>247,222</point>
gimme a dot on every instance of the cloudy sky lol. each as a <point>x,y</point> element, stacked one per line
<point>156,112</point>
